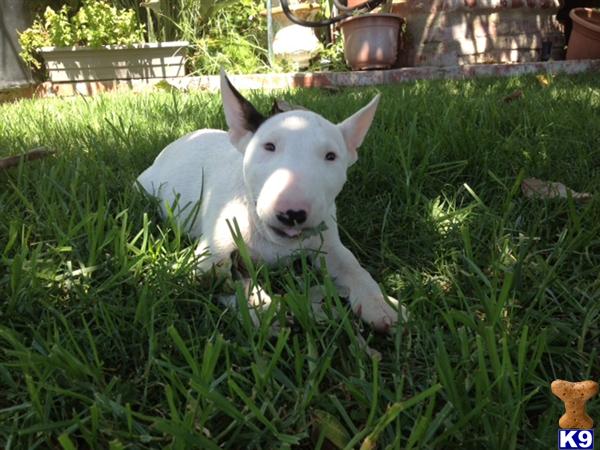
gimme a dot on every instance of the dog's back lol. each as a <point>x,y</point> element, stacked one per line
<point>202,165</point>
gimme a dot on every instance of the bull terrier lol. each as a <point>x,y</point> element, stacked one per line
<point>278,177</point>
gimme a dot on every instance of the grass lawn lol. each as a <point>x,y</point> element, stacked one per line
<point>108,340</point>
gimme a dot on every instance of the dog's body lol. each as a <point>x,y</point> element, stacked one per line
<point>278,178</point>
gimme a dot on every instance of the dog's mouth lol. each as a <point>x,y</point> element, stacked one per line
<point>287,233</point>
<point>295,233</point>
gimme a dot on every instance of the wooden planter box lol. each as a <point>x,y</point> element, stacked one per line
<point>145,61</point>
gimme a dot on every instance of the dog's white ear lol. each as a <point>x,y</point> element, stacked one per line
<point>354,128</point>
<point>242,118</point>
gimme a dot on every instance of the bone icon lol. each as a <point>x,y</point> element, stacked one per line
<point>574,396</point>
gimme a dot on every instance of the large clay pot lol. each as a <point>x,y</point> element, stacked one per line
<point>584,42</point>
<point>371,40</point>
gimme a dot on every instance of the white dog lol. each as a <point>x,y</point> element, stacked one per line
<point>278,177</point>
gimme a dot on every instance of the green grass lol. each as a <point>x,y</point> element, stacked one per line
<point>107,339</point>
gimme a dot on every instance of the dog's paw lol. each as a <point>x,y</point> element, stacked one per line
<point>382,315</point>
<point>256,306</point>
<point>258,302</point>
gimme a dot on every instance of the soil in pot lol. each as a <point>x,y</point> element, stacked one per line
<point>584,42</point>
<point>371,40</point>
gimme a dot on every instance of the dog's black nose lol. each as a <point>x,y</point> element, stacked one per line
<point>291,217</point>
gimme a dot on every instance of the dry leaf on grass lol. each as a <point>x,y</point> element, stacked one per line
<point>536,188</point>
<point>514,96</point>
<point>543,80</point>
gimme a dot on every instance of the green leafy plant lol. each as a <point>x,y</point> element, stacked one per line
<point>98,23</point>
<point>95,23</point>
<point>226,34</point>
<point>222,33</point>
<point>31,39</point>
<point>58,27</point>
<point>331,58</point>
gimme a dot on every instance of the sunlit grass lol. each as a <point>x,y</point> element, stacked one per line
<point>108,338</point>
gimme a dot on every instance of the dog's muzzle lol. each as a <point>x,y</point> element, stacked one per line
<point>290,219</point>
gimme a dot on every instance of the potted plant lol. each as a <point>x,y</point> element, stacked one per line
<point>98,42</point>
<point>371,39</point>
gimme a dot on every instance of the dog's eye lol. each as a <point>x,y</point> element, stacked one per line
<point>269,146</point>
<point>330,156</point>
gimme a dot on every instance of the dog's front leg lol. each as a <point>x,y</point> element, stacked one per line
<point>365,296</point>
<point>257,297</point>
<point>258,300</point>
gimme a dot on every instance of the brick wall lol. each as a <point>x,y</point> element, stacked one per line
<point>451,32</point>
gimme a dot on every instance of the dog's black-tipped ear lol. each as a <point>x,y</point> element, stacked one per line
<point>242,117</point>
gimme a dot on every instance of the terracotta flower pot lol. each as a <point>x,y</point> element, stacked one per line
<point>371,40</point>
<point>584,42</point>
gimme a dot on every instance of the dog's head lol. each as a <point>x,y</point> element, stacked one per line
<point>295,162</point>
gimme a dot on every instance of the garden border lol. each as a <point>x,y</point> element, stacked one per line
<point>322,79</point>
